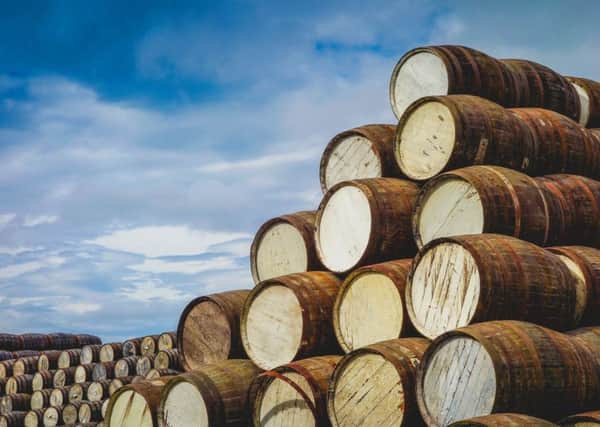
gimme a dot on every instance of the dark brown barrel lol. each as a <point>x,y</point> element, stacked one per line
<point>6,368</point>
<point>42,380</point>
<point>457,281</point>
<point>25,365</point>
<point>378,230</point>
<point>126,366</point>
<point>11,342</point>
<point>142,403</point>
<point>168,359</point>
<point>359,153</point>
<point>482,199</point>
<point>65,376</point>
<point>98,390</point>
<point>574,206</point>
<point>90,412</point>
<point>588,337</point>
<point>167,341</point>
<point>78,392</point>
<point>585,419</point>
<point>132,347</point>
<point>144,364</point>
<point>154,374</point>
<point>505,420</point>
<point>87,339</point>
<point>510,366</point>
<point>220,396</point>
<point>374,385</point>
<point>36,342</point>
<point>209,329</point>
<point>302,385</point>
<point>48,360</point>
<point>19,384</point>
<point>589,101</point>
<point>60,396</point>
<point>69,358</point>
<point>117,383</point>
<point>62,341</point>
<point>40,398</point>
<point>370,305</point>
<point>103,371</point>
<point>14,419</point>
<point>24,353</point>
<point>83,373</point>
<point>149,344</point>
<point>538,86</point>
<point>110,352</point>
<point>284,245</point>
<point>15,402</point>
<point>70,412</point>
<point>34,418</point>
<point>90,354</point>
<point>446,70</point>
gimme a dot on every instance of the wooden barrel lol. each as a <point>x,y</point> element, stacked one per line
<point>441,133</point>
<point>506,420</point>
<point>154,374</point>
<point>98,391</point>
<point>538,86</point>
<point>132,347</point>
<point>364,222</point>
<point>168,359</point>
<point>214,395</point>
<point>167,341</point>
<point>284,245</point>
<point>126,366</point>
<point>359,153</point>
<point>209,329</point>
<point>40,398</point>
<point>5,355</point>
<point>103,371</point>
<point>585,419</point>
<point>90,412</point>
<point>6,368</point>
<point>588,92</point>
<point>69,358</point>
<point>117,383</point>
<point>14,419</point>
<point>482,199</point>
<point>24,353</point>
<point>111,351</point>
<point>374,385</point>
<point>510,366</point>
<point>87,339</point>
<point>35,342</point>
<point>65,376</point>
<point>11,342</point>
<point>15,402</point>
<point>25,365</point>
<point>90,354</point>
<point>70,412</point>
<point>289,318</point>
<point>457,281</point>
<point>19,384</point>
<point>144,364</point>
<point>62,341</point>
<point>34,418</point>
<point>52,417</point>
<point>42,380</point>
<point>83,373</point>
<point>48,360</point>
<point>149,345</point>
<point>294,394</point>
<point>134,405</point>
<point>370,305</point>
<point>446,70</point>
<point>60,396</point>
<point>78,392</point>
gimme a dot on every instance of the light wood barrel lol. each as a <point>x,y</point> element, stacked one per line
<point>25,365</point>
<point>132,347</point>
<point>126,366</point>
<point>460,280</point>
<point>289,318</point>
<point>167,341</point>
<point>42,380</point>
<point>90,412</point>
<point>110,352</point>
<point>149,345</point>
<point>209,329</point>
<point>69,358</point>
<point>6,368</point>
<point>98,390</point>
<point>90,354</point>
<point>34,418</point>
<point>505,420</point>
<point>63,377</point>
<point>294,394</point>
<point>134,405</point>
<point>117,383</point>
<point>365,222</point>
<point>14,419</point>
<point>168,359</point>
<point>510,366</point>
<point>370,305</point>
<point>359,153</point>
<point>19,384</point>
<point>103,371</point>
<point>40,399</point>
<point>441,133</point>
<point>52,417</point>
<point>374,385</point>
<point>144,364</point>
<point>15,402</point>
<point>214,395</point>
<point>585,419</point>
<point>48,360</point>
<point>60,396</point>
<point>589,101</point>
<point>84,373</point>
<point>284,245</point>
<point>482,199</point>
<point>78,392</point>
<point>70,412</point>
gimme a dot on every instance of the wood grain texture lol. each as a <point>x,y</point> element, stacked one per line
<point>15,402</point>
<point>149,345</point>
<point>59,396</point>
<point>42,380</point>
<point>111,351</point>
<point>209,329</point>
<point>98,391</point>
<point>167,341</point>
<point>126,366</point>
<point>25,365</point>
<point>134,405</point>
<point>40,399</point>
<point>144,364</point>
<point>90,412</point>
<point>504,420</point>
<point>131,347</point>
<point>168,359</point>
<point>68,358</point>
<point>292,321</point>
<point>14,419</point>
<point>64,376</point>
<point>374,385</point>
<point>589,95</point>
<point>78,392</point>
<point>370,305</point>
<point>19,384</point>
<point>48,360</point>
<point>90,354</point>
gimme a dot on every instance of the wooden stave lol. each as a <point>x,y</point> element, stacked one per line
<point>69,358</point>
<point>103,386</point>
<point>144,364</point>
<point>19,384</point>
<point>149,390</point>
<point>90,412</point>
<point>126,366</point>
<point>592,88</point>
<point>46,378</point>
<point>60,396</point>
<point>103,371</point>
<point>48,360</point>
<point>131,347</point>
<point>168,359</point>
<point>14,402</point>
<point>83,373</point>
<point>149,345</point>
<point>14,419</point>
<point>78,391</point>
<point>64,377</point>
<point>590,416</point>
<point>25,365</point>
<point>42,397</point>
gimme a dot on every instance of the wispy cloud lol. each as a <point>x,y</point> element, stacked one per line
<point>34,221</point>
<point>6,218</point>
<point>159,266</point>
<point>15,270</point>
<point>78,308</point>
<point>149,290</point>
<point>18,250</point>
<point>272,160</point>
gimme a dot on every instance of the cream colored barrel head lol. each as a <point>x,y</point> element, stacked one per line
<point>353,157</point>
<point>422,74</point>
<point>426,141</point>
<point>130,409</point>
<point>368,392</point>
<point>451,207</point>
<point>281,251</point>
<point>444,290</point>
<point>459,382</point>
<point>282,406</point>
<point>185,407</point>
<point>344,228</point>
<point>273,327</point>
<point>370,311</point>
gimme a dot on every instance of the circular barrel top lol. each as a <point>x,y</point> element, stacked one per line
<point>280,250</point>
<point>129,408</point>
<point>184,406</point>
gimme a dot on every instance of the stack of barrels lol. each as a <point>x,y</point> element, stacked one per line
<point>449,276</point>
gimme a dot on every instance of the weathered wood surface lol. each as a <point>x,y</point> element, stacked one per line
<point>78,392</point>
<point>209,329</point>
<point>131,347</point>
<point>48,360</point>
<point>42,380</point>
<point>149,345</point>
<point>15,402</point>
<point>134,405</point>
<point>289,317</point>
<point>504,420</point>
<point>59,396</point>
<point>111,351</point>
<point>19,384</point>
<point>40,399</point>
<point>126,366</point>
<point>84,373</point>
<point>25,365</point>
<point>14,419</point>
<point>585,419</point>
<point>104,371</point>
<point>144,364</point>
<point>90,412</point>
<point>167,341</point>
<point>374,386</point>
<point>370,305</point>
<point>63,377</point>
<point>589,101</point>
<point>90,354</point>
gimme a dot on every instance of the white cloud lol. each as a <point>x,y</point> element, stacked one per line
<point>34,221</point>
<point>169,240</point>
<point>153,289</point>
<point>272,160</point>
<point>183,267</point>
<point>5,219</point>
<point>18,250</point>
<point>238,248</point>
<point>15,270</point>
<point>78,307</point>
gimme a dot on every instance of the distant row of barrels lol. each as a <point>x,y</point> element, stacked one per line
<point>56,341</point>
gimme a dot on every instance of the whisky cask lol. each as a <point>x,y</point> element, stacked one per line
<point>209,329</point>
<point>48,360</point>
<point>19,384</point>
<point>167,341</point>
<point>40,399</point>
<point>60,396</point>
<point>168,359</point>
<point>374,386</point>
<point>104,371</point>
<point>370,305</point>
<point>289,318</point>
<point>132,347</point>
<point>62,341</point>
<point>134,405</point>
<point>144,364</point>
<point>126,366</point>
<point>35,342</point>
<point>110,352</point>
<point>69,358</point>
<point>90,412</point>
<point>90,354</point>
<point>70,412</point>
<point>98,390</point>
<point>87,339</point>
<point>34,418</point>
<point>506,420</point>
<point>84,373</point>
<point>6,368</point>
<point>154,374</point>
<point>117,383</point>
<point>14,419</point>
<point>63,377</point>
<point>149,345</point>
<point>11,342</point>
<point>25,365</point>
<point>15,402</point>
<point>78,392</point>
<point>52,417</point>
<point>42,380</point>
<point>588,92</point>
<point>364,222</point>
<point>586,419</point>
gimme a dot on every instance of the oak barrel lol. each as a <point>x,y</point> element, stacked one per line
<point>167,359</point>
<point>134,405</point>
<point>90,412</point>
<point>63,377</point>
<point>126,366</point>
<point>111,351</point>
<point>589,101</point>
<point>167,341</point>
<point>68,358</point>
<point>149,345</point>
<point>15,402</point>
<point>144,364</point>
<point>25,365</point>
<point>132,347</point>
<point>90,354</point>
<point>98,390</point>
<point>585,419</point>
<point>19,384</point>
<point>42,380</point>
<point>48,360</point>
<point>40,399</point>
<point>14,419</point>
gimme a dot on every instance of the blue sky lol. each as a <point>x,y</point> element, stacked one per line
<point>143,143</point>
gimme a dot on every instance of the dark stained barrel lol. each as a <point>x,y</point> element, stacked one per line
<point>144,364</point>
<point>117,383</point>
<point>126,366</point>
<point>505,420</point>
<point>42,380</point>
<point>14,419</point>
<point>6,368</point>
<point>585,419</point>
<point>62,341</point>
<point>35,342</point>
<point>87,339</point>
<point>589,97</point>
<point>11,342</point>
<point>15,402</point>
<point>5,355</point>
<point>48,360</point>
<point>60,396</point>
